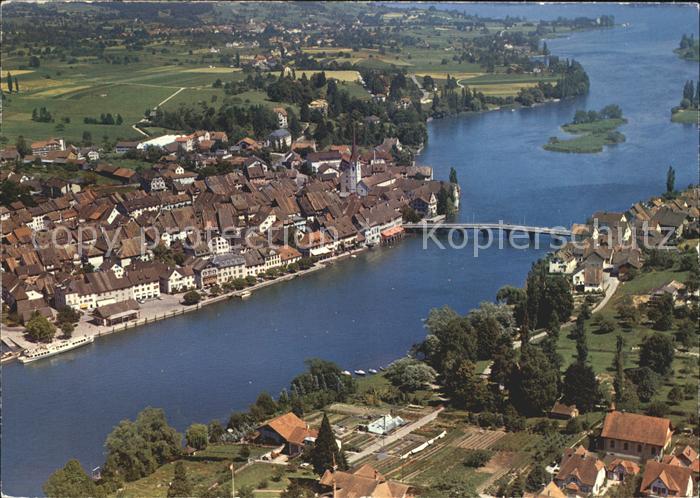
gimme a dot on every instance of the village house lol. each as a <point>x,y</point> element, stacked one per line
<point>581,473</point>
<point>281,116</point>
<point>280,139</point>
<point>288,430</point>
<point>43,147</point>
<point>619,469</point>
<point>93,290</point>
<point>316,159</point>
<point>589,279</point>
<point>662,480</point>
<point>320,105</point>
<point>219,270</point>
<point>635,435</point>
<point>125,146</point>
<point>562,262</point>
<point>562,411</point>
<point>177,280</point>
<point>551,490</point>
<point>363,481</point>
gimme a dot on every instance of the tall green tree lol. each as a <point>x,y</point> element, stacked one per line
<point>670,179</point>
<point>9,82</point>
<point>325,453</point>
<point>657,352</point>
<point>16,85</point>
<point>180,487</point>
<point>71,482</point>
<point>580,387</point>
<point>197,436</point>
<point>534,384</point>
<point>453,176</point>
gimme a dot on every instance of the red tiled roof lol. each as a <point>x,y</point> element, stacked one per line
<point>637,428</point>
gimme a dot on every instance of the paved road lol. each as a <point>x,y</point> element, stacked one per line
<point>399,434</point>
<point>164,101</point>
<point>426,94</point>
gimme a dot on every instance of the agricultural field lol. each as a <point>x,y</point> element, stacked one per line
<point>89,88</point>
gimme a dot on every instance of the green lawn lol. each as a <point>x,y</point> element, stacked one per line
<point>686,116</point>
<point>592,137</point>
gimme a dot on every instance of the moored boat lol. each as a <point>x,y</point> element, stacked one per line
<point>360,372</point>
<point>372,370</point>
<point>9,356</point>
<point>48,350</point>
<point>345,372</point>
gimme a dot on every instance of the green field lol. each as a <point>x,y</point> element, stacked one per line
<point>684,116</point>
<point>88,87</point>
<point>592,137</point>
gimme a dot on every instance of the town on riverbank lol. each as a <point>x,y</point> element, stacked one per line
<point>481,406</point>
<point>584,382</point>
<point>184,206</point>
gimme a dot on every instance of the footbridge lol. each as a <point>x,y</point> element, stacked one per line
<point>500,226</point>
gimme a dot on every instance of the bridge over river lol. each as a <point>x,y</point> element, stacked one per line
<point>500,226</point>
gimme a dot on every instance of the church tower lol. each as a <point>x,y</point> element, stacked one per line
<point>352,173</point>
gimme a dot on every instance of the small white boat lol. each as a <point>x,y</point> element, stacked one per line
<point>345,372</point>
<point>381,368</point>
<point>360,372</point>
<point>353,255</point>
<point>246,294</point>
<point>372,371</point>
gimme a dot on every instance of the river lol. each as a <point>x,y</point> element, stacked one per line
<point>364,312</point>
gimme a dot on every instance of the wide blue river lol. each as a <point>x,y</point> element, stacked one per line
<point>364,312</point>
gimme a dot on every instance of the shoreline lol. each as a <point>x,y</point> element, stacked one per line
<point>168,306</point>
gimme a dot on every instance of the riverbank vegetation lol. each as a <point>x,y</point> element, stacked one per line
<point>688,48</point>
<point>688,110</point>
<point>594,130</point>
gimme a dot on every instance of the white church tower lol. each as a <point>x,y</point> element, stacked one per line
<point>351,172</point>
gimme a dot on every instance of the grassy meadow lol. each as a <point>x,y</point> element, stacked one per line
<point>686,116</point>
<point>592,137</point>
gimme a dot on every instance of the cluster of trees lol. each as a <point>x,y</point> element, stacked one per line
<point>42,115</point>
<point>524,384</point>
<point>691,95</point>
<point>689,47</point>
<point>321,384</point>
<point>134,450</point>
<point>612,111</point>
<point>104,119</point>
<point>12,191</point>
<point>12,84</point>
<point>573,82</point>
